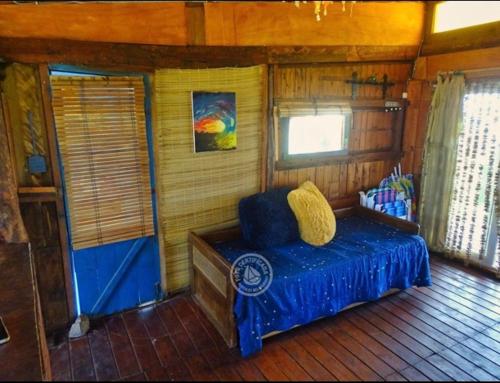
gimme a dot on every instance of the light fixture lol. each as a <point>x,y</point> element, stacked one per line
<point>321,7</point>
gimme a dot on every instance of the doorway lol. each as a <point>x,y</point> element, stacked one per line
<point>104,141</point>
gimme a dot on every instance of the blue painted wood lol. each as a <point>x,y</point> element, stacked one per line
<point>118,275</point>
<point>95,268</point>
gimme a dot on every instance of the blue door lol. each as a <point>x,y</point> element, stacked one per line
<point>115,274</point>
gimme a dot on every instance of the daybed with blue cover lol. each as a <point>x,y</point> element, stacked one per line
<point>370,255</point>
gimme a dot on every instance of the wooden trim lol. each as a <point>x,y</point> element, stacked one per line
<point>48,115</point>
<point>264,131</point>
<point>464,39</point>
<point>358,104</point>
<point>345,212</point>
<point>335,160</point>
<point>343,203</point>
<point>341,53</point>
<point>408,226</point>
<point>195,23</point>
<point>222,235</point>
<point>206,293</point>
<point>45,365</point>
<point>271,137</point>
<point>430,7</point>
<point>8,129</point>
<point>204,287</point>
<point>127,57</point>
<point>398,127</point>
<point>145,57</point>
<point>158,189</point>
<point>37,194</point>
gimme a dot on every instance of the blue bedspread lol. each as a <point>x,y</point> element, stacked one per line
<point>365,259</point>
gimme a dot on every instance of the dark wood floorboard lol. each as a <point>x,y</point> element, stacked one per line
<point>102,356</point>
<point>449,331</point>
<point>60,363</point>
<point>81,360</point>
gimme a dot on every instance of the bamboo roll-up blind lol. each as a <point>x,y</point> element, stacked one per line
<point>298,108</point>
<point>201,191</point>
<point>101,131</point>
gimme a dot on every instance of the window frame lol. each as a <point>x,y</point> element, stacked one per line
<point>434,20</point>
<point>284,134</point>
<point>468,38</point>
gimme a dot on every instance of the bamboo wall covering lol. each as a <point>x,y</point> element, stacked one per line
<point>101,131</point>
<point>201,191</point>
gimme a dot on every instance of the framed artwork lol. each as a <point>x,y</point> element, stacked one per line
<point>214,121</point>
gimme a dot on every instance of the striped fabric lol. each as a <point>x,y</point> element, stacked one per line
<point>384,195</point>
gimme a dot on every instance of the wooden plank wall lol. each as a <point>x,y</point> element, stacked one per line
<point>475,60</point>
<point>241,23</point>
<point>22,94</point>
<point>25,357</point>
<point>132,22</point>
<point>341,182</point>
<point>279,23</point>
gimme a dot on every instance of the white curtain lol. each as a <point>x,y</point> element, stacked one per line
<point>472,230</point>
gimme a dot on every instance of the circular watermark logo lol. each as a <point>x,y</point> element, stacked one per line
<point>251,274</point>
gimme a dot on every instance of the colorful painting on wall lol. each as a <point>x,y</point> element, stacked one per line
<point>214,121</point>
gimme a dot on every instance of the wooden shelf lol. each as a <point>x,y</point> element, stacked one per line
<point>363,104</point>
<point>357,104</point>
<point>336,160</point>
<point>37,194</point>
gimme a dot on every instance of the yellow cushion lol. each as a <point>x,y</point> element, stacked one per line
<point>314,214</point>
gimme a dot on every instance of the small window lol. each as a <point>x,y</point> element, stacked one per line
<point>317,134</point>
<point>312,129</point>
<point>450,15</point>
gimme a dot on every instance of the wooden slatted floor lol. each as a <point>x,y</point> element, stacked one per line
<point>450,331</point>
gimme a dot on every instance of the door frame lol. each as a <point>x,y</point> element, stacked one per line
<point>58,175</point>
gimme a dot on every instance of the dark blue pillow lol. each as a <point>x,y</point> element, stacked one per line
<point>266,219</point>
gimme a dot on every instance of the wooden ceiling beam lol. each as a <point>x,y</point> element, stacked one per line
<point>341,53</point>
<point>148,57</point>
<point>464,39</point>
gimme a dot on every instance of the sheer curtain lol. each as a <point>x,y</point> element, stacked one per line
<point>472,230</point>
<point>440,158</point>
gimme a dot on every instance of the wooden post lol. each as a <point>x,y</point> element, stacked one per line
<point>195,23</point>
<point>158,192</point>
<point>269,153</point>
<point>12,229</point>
<point>265,130</point>
<point>48,115</point>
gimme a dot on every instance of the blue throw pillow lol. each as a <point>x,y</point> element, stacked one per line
<point>266,219</point>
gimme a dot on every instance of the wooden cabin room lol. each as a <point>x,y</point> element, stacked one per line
<point>249,190</point>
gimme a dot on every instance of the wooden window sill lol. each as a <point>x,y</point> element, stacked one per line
<point>332,160</point>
